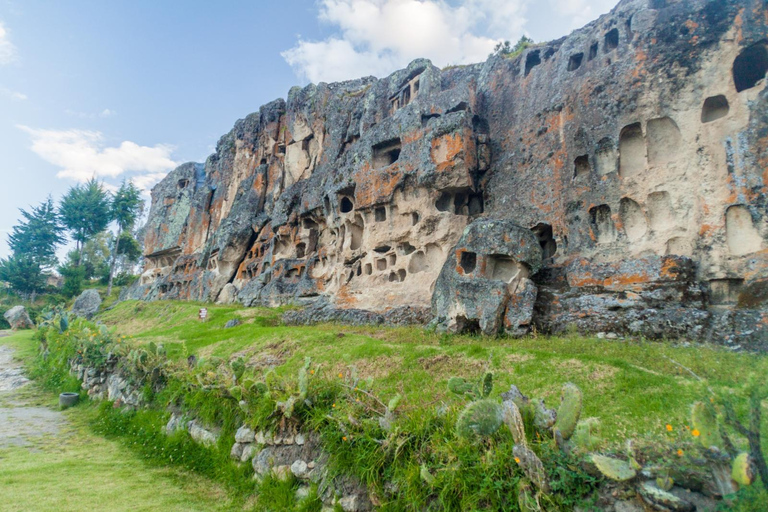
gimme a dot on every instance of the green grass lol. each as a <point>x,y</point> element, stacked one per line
<point>78,470</point>
<point>634,387</point>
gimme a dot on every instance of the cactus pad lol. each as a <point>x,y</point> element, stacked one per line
<point>569,411</point>
<point>742,472</point>
<point>704,419</point>
<point>481,418</point>
<point>514,421</point>
<point>532,466</point>
<point>615,469</point>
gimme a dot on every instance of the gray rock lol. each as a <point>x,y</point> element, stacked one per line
<point>237,451</point>
<point>201,435</point>
<point>176,423</point>
<point>18,318</point>
<point>300,470</point>
<point>484,283</point>
<point>87,304</point>
<point>249,451</point>
<point>228,294</point>
<point>245,435</point>
<point>232,323</point>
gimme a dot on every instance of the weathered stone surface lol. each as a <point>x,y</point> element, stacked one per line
<point>18,318</point>
<point>232,323</point>
<point>200,434</point>
<point>484,283</point>
<point>87,304</point>
<point>634,149</point>
<point>245,435</point>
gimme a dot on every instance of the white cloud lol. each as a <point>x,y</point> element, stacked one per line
<point>14,95</point>
<point>378,36</point>
<point>82,155</point>
<point>581,11</point>
<point>7,48</point>
<point>84,115</point>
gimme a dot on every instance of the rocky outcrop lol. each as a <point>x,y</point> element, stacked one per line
<point>87,304</point>
<point>18,318</point>
<point>634,150</point>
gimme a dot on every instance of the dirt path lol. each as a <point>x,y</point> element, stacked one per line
<point>21,422</point>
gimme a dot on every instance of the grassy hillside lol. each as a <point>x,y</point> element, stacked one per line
<point>634,387</point>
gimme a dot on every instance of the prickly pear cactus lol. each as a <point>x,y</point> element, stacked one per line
<point>704,420</point>
<point>459,386</point>
<point>487,384</point>
<point>615,469</point>
<point>238,368</point>
<point>479,419</point>
<point>532,466</point>
<point>586,437</point>
<point>569,411</point>
<point>514,422</point>
<point>742,471</point>
<point>236,392</point>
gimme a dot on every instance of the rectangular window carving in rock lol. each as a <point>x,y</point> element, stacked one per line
<point>532,60</point>
<point>605,157</point>
<point>750,66</point>
<point>380,214</point>
<point>664,141</point>
<point>183,183</point>
<point>504,268</point>
<point>725,291</point>
<point>741,234</point>
<point>386,153</point>
<point>632,158</point>
<point>593,51</point>
<point>602,224</point>
<point>714,108</point>
<point>581,166</point>
<point>611,40</point>
<point>575,61</point>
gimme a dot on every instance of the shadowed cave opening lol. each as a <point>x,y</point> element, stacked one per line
<point>386,153</point>
<point>714,108</point>
<point>346,205</point>
<point>532,60</point>
<point>468,262</point>
<point>750,66</point>
<point>611,40</point>
<point>575,61</point>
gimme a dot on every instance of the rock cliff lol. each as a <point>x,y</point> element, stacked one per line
<point>634,153</point>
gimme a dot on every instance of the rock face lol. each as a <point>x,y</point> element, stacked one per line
<point>18,318</point>
<point>87,304</point>
<point>634,150</point>
<point>485,283</point>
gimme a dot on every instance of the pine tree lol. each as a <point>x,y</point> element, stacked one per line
<point>85,210</point>
<point>126,208</point>
<point>37,235</point>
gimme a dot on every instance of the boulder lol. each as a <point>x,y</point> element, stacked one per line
<point>18,318</point>
<point>484,284</point>
<point>87,304</point>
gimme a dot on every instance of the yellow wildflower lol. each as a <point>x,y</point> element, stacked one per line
<point>517,459</point>
<point>669,427</point>
<point>679,453</point>
<point>341,376</point>
<point>695,433</point>
<point>344,438</point>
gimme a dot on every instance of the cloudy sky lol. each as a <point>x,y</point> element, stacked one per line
<point>130,89</point>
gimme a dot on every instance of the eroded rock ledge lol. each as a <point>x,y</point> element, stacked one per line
<point>634,150</point>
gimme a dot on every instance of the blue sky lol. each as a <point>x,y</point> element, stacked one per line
<point>128,89</point>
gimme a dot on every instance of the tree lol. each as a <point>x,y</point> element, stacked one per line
<point>23,274</point>
<point>126,208</point>
<point>506,49</point>
<point>85,210</point>
<point>37,235</point>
